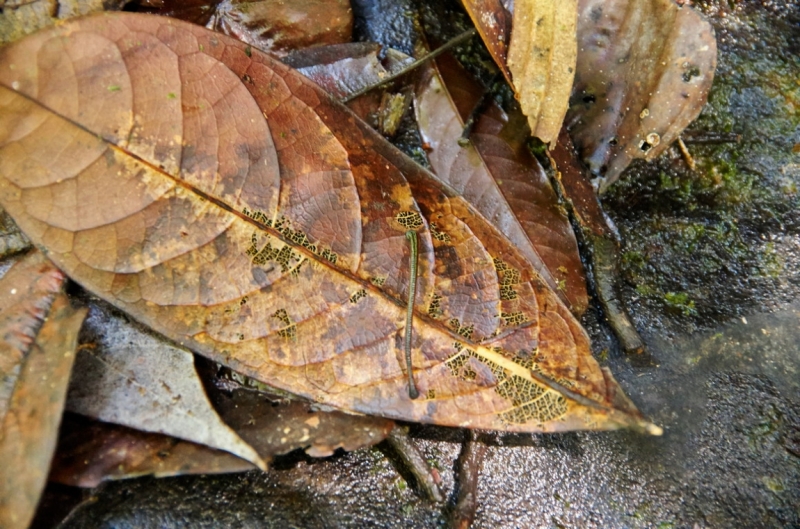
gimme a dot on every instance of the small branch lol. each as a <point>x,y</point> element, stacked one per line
<point>415,463</point>
<point>422,60</point>
<point>469,464</point>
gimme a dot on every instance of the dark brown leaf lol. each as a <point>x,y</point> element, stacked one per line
<point>90,452</point>
<point>39,330</point>
<point>273,238</point>
<point>275,426</point>
<point>497,174</point>
<point>643,74</point>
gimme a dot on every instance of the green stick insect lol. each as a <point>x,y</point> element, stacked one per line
<point>411,235</point>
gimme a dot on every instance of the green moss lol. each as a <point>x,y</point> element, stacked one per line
<point>681,302</point>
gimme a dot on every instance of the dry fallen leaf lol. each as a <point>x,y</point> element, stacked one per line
<point>38,333</point>
<point>497,174</point>
<point>273,239</point>
<point>644,71</point>
<point>125,376</point>
<point>276,426</point>
<point>541,58</point>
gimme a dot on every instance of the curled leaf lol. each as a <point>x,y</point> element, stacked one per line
<point>273,239</point>
<point>39,331</point>
<point>643,74</point>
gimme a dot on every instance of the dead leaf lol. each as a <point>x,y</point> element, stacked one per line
<point>643,74</point>
<point>493,21</point>
<point>344,69</point>
<point>39,331</point>
<point>90,452</point>
<point>11,239</point>
<point>126,376</point>
<point>279,26</point>
<point>273,239</point>
<point>274,425</point>
<point>496,173</point>
<point>541,58</point>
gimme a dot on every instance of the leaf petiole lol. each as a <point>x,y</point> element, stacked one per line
<point>411,235</point>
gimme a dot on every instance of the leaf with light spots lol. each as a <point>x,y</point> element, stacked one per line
<point>643,74</point>
<point>253,219</point>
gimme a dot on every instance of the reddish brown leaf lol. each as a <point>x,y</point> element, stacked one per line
<point>273,238</point>
<point>280,26</point>
<point>275,26</point>
<point>643,74</point>
<point>497,174</point>
<point>493,22</point>
<point>90,452</point>
<point>39,330</point>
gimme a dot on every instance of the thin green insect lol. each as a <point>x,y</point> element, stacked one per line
<point>411,235</point>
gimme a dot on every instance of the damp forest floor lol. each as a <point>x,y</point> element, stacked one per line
<point>711,274</point>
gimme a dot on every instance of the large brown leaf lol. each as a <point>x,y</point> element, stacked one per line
<point>38,333</point>
<point>644,71</point>
<point>230,204</point>
<point>497,174</point>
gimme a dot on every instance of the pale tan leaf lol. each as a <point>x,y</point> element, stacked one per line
<point>541,58</point>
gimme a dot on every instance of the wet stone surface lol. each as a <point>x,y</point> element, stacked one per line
<point>712,271</point>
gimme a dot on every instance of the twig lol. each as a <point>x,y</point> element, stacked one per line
<point>455,41</point>
<point>469,464</point>
<point>413,461</point>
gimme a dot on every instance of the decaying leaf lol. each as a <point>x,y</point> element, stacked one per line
<point>497,174</point>
<point>38,333</point>
<point>644,71</point>
<point>273,239</point>
<point>11,239</point>
<point>90,452</point>
<point>280,26</point>
<point>126,376</point>
<point>344,69</point>
<point>538,59</point>
<point>541,58</point>
<point>276,426</point>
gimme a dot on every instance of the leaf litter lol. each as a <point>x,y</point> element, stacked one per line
<point>200,275</point>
